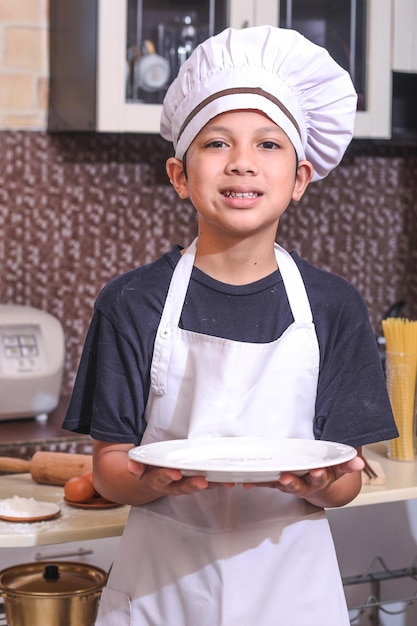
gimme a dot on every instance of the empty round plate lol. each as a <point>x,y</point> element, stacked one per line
<point>242,459</point>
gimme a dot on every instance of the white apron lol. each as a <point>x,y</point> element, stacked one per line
<point>228,557</point>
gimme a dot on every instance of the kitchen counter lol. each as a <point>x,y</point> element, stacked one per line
<point>22,438</point>
<point>401,479</point>
<point>76,524</point>
<point>73,524</point>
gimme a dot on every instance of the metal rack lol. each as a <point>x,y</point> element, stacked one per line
<point>375,577</point>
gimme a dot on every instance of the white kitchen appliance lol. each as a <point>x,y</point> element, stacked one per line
<point>32,350</point>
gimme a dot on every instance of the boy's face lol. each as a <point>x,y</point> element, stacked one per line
<point>241,174</point>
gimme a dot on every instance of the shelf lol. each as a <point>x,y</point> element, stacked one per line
<point>401,479</point>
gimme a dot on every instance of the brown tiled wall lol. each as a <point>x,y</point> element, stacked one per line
<point>77,209</point>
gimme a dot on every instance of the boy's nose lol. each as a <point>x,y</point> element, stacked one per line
<point>242,161</point>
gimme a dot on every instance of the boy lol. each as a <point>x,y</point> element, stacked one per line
<point>234,337</point>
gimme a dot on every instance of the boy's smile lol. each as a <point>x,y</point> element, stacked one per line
<point>241,175</point>
<point>236,194</point>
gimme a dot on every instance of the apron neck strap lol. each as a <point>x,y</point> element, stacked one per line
<point>294,287</point>
<point>293,282</point>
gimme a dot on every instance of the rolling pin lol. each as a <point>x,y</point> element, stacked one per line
<point>49,468</point>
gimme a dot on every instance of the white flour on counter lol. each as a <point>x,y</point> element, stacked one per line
<point>26,507</point>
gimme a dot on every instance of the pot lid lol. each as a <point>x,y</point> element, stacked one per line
<point>52,578</point>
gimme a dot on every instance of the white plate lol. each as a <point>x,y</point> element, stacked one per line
<point>242,459</point>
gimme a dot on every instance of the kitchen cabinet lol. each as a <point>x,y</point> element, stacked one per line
<point>97,47</point>
<point>404,65</point>
<point>358,35</point>
<point>404,55</point>
<point>92,69</point>
<point>99,552</point>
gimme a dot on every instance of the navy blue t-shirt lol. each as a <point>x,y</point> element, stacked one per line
<point>112,384</point>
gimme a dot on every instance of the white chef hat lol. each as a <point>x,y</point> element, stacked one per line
<point>294,82</point>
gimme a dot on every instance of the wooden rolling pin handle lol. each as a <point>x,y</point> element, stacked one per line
<point>55,468</point>
<point>14,466</point>
<point>49,468</point>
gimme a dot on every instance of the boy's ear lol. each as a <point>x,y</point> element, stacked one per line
<point>304,175</point>
<point>176,174</point>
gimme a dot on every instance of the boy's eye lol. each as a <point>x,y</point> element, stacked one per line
<point>269,145</point>
<point>216,143</point>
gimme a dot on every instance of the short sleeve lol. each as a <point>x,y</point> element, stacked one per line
<point>352,404</point>
<point>110,394</point>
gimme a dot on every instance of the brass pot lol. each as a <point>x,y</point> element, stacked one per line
<point>52,593</point>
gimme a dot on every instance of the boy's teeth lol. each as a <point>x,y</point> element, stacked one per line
<point>235,194</point>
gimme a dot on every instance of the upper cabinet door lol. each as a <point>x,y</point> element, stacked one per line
<point>245,13</point>
<point>141,45</point>
<point>357,34</point>
<point>404,58</point>
<point>112,60</point>
<point>374,120</point>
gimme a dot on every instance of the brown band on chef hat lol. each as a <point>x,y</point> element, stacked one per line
<point>294,82</point>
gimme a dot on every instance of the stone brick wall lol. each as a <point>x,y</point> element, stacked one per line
<point>23,64</point>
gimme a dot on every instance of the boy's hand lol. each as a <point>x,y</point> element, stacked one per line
<point>120,479</point>
<point>323,487</point>
<point>170,482</point>
<point>318,485</point>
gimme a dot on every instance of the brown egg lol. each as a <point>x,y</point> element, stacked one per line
<point>89,476</point>
<point>79,490</point>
